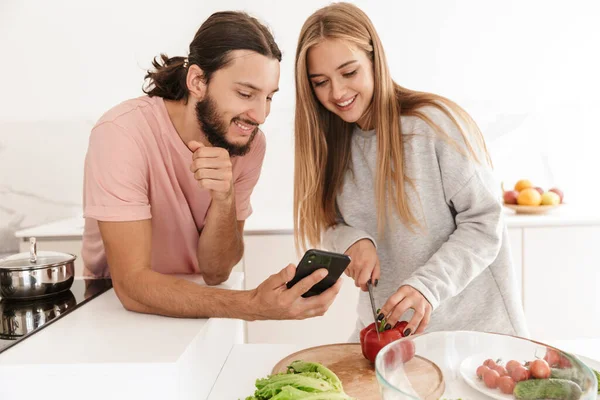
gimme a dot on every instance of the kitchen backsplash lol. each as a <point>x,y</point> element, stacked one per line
<point>41,174</point>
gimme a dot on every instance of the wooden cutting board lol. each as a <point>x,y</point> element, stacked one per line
<point>358,374</point>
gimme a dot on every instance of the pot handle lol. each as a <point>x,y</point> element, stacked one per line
<point>32,250</point>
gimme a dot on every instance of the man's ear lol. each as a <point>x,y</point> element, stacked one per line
<point>195,82</point>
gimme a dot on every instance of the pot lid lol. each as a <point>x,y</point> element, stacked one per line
<point>34,259</point>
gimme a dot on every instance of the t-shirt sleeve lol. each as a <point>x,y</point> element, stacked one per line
<point>247,179</point>
<point>115,176</point>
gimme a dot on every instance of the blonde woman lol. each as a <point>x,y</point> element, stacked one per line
<point>402,182</point>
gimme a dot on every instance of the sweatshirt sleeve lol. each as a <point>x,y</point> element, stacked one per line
<point>473,196</point>
<point>340,237</point>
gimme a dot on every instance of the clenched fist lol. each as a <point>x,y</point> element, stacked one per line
<point>212,169</point>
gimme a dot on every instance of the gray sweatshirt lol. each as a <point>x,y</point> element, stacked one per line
<point>460,259</point>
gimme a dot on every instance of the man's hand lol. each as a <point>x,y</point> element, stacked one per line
<point>212,169</point>
<point>274,301</point>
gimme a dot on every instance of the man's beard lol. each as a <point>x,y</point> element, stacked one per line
<point>215,128</point>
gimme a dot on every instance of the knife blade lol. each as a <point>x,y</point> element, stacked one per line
<point>370,287</point>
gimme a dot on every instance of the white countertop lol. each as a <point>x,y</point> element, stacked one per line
<point>245,364</point>
<point>566,215</point>
<point>248,362</point>
<point>131,355</point>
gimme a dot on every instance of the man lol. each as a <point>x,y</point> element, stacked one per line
<point>168,179</point>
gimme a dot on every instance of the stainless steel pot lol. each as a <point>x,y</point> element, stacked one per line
<point>18,318</point>
<point>36,274</point>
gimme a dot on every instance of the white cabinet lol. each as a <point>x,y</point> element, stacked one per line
<point>562,282</point>
<point>556,268</point>
<point>266,255</point>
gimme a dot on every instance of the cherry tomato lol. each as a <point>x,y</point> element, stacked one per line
<point>540,369</point>
<point>481,370</point>
<point>552,357</point>
<point>489,363</point>
<point>491,379</point>
<point>520,373</point>
<point>511,365</point>
<point>506,384</point>
<point>500,370</point>
<point>564,362</point>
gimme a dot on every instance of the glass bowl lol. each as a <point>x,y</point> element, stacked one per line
<point>444,365</point>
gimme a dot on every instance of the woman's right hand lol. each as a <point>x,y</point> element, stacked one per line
<point>364,265</point>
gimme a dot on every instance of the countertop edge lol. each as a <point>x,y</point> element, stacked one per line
<point>72,228</point>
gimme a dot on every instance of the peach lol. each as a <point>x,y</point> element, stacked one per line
<point>529,197</point>
<point>523,184</point>
<point>510,197</point>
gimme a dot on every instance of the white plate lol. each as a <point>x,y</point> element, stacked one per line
<point>468,370</point>
<point>469,366</point>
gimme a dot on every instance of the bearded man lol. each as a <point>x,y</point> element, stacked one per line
<point>168,179</point>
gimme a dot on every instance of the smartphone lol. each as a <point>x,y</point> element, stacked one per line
<point>313,260</point>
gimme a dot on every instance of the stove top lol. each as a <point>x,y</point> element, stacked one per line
<point>20,319</point>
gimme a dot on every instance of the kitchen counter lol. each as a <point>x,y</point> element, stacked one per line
<point>102,351</point>
<point>247,362</point>
<point>566,215</point>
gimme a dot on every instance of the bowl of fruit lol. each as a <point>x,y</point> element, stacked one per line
<point>525,198</point>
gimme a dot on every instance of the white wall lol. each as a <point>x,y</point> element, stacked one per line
<point>526,70</point>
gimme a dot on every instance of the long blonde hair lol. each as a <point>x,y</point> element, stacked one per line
<point>322,139</point>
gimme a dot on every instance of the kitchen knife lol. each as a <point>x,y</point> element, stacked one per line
<point>370,287</point>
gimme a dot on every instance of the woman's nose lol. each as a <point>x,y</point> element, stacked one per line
<point>337,91</point>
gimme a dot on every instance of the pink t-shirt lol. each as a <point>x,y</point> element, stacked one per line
<point>136,168</point>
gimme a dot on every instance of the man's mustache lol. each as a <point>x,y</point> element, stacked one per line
<point>245,121</point>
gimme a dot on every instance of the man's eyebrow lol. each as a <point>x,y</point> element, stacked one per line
<point>253,87</point>
<point>340,67</point>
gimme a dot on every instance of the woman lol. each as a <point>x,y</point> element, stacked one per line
<point>401,181</point>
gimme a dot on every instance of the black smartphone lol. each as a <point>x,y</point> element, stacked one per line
<point>313,260</point>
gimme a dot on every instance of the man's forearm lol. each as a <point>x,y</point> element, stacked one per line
<point>150,292</point>
<point>221,245</point>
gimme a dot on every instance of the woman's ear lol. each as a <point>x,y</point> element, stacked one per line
<point>195,82</point>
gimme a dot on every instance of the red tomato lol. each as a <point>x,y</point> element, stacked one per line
<point>511,365</point>
<point>491,379</point>
<point>552,357</point>
<point>564,362</point>
<point>489,363</point>
<point>481,370</point>
<point>506,384</point>
<point>520,373</point>
<point>500,370</point>
<point>540,369</point>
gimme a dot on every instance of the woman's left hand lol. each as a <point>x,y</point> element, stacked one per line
<point>404,299</point>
